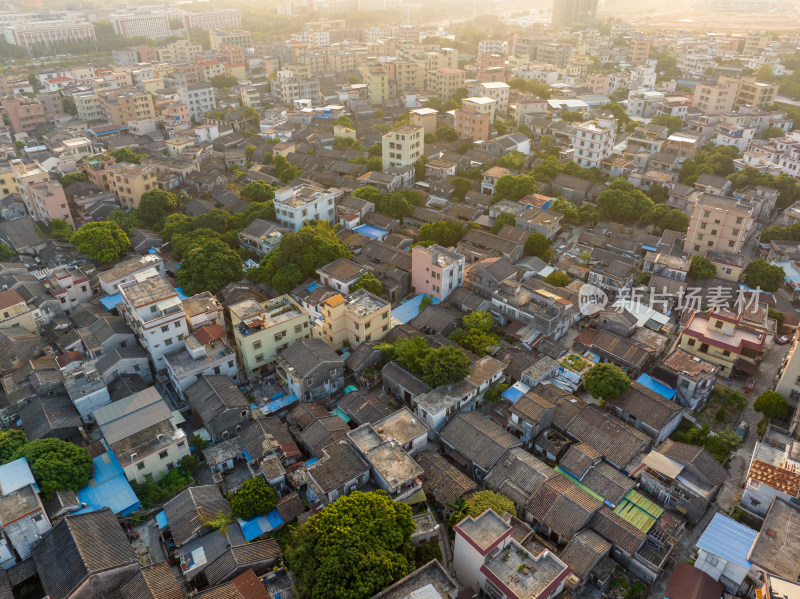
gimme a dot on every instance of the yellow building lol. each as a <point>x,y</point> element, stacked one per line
<point>718,223</point>
<point>129,181</point>
<point>240,38</point>
<point>721,337</point>
<point>8,184</point>
<point>123,105</point>
<point>403,146</point>
<point>14,311</point>
<point>261,331</point>
<point>166,54</point>
<point>758,94</point>
<point>236,70</point>
<point>361,317</point>
<point>377,82</point>
<point>445,82</point>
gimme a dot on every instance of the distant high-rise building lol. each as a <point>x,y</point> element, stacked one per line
<point>567,13</point>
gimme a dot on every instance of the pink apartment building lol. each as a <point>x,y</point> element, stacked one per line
<point>436,271</point>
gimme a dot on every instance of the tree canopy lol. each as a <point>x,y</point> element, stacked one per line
<point>712,160</point>
<point>538,245</point>
<point>155,206</point>
<point>298,256</point>
<point>10,442</point>
<point>355,547</point>
<point>441,366</point>
<point>104,241</point>
<point>702,268</point>
<point>284,170</point>
<point>254,498</point>
<point>762,274</point>
<point>368,282</point>
<point>444,233</point>
<point>624,203</point>
<point>558,278</point>
<point>480,502</point>
<point>258,191</point>
<point>56,465</point>
<point>606,381</point>
<point>503,219</point>
<point>60,229</point>
<point>772,405</point>
<point>126,155</point>
<point>209,266</point>
<point>475,333</point>
<point>513,187</point>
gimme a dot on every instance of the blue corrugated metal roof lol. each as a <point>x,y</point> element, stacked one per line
<point>15,475</point>
<point>278,404</point>
<point>109,487</point>
<point>728,539</point>
<point>370,231</point>
<point>663,390</point>
<point>515,391</point>
<point>409,309</point>
<point>161,519</point>
<point>258,525</point>
<point>110,301</point>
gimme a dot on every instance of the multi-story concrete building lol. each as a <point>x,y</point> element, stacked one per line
<point>638,50</point>
<point>186,51</point>
<point>153,309</point>
<point>15,311</point>
<point>425,118</point>
<point>491,47</point>
<point>24,114</point>
<point>49,202</point>
<point>23,515</point>
<point>360,317</point>
<point>129,181</point>
<point>199,99</point>
<point>594,141</point>
<point>470,122</point>
<point>207,352</point>
<point>89,107</point>
<point>377,80</point>
<point>445,82</point>
<point>403,146</point>
<point>238,37</point>
<point>758,94</point>
<point>123,105</point>
<point>47,33</point>
<point>70,284</point>
<point>436,271</point>
<point>404,75</point>
<point>497,91</point>
<point>261,331</point>
<point>219,18</point>
<point>574,12</point>
<point>718,223</point>
<point>152,25</point>
<point>288,87</point>
<point>719,97</point>
<point>294,206</point>
<point>28,176</point>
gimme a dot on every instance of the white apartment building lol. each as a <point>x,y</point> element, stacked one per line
<point>154,311</point>
<point>207,352</point>
<point>154,26</point>
<point>221,18</point>
<point>45,33</point>
<point>491,47</point>
<point>294,206</point>
<point>594,141</point>
<point>199,98</point>
<point>403,146</point>
<point>497,91</point>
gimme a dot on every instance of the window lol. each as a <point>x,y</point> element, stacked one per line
<point>178,325</point>
<point>718,324</point>
<point>691,342</point>
<point>140,466</point>
<point>153,309</point>
<point>260,358</point>
<point>163,455</point>
<point>257,345</point>
<point>165,329</point>
<point>181,444</point>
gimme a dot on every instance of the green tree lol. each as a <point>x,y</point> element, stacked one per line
<point>6,253</point>
<point>445,366</point>
<point>588,213</point>
<point>355,547</point>
<point>624,203</point>
<point>68,106</point>
<point>11,440</point>
<point>209,267</point>
<point>368,193</point>
<point>503,219</point>
<point>778,316</point>
<point>570,116</point>
<point>344,121</point>
<point>345,143</point>
<point>104,242</point>
<point>618,110</point>
<point>368,282</point>
<point>461,186</point>
<point>762,274</point>
<point>475,334</point>
<point>60,229</point>
<point>558,278</point>
<point>446,134</point>
<point>511,187</point>
<point>68,180</point>
<point>606,381</point>
<point>254,498</point>
<point>537,245</point>
<point>223,81</point>
<point>672,123</point>
<point>126,155</point>
<point>56,465</point>
<point>285,171</point>
<point>394,205</point>
<point>702,268</point>
<point>512,161</point>
<point>772,131</point>
<point>480,502</point>
<point>258,191</point>
<point>155,206</point>
<point>444,233</point>
<point>665,218</point>
<point>177,224</point>
<point>772,405</point>
<point>659,194</point>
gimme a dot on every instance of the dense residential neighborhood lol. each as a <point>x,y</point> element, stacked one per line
<point>372,299</point>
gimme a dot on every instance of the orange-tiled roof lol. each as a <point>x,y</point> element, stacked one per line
<point>781,479</point>
<point>207,334</point>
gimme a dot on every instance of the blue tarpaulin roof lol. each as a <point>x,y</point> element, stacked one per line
<point>255,527</point>
<point>515,391</point>
<point>161,519</point>
<point>728,539</point>
<point>109,487</point>
<point>180,293</point>
<point>338,412</point>
<point>370,231</point>
<point>278,404</point>
<point>311,461</point>
<point>110,301</point>
<point>663,390</point>
<point>312,287</point>
<point>409,309</point>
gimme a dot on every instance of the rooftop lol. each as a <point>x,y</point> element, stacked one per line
<point>777,545</point>
<point>150,291</point>
<point>297,197</point>
<point>440,256</point>
<point>485,530</point>
<point>524,574</point>
<point>362,303</point>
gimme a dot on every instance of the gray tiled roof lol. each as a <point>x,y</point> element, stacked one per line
<point>133,414</point>
<point>478,439</point>
<point>306,355</point>
<point>186,511</point>
<point>156,581</point>
<point>341,465</point>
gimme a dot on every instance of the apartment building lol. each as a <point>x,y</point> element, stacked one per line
<point>237,37</point>
<point>26,176</point>
<point>220,18</point>
<point>403,146</point>
<point>594,141</point>
<point>445,82</point>
<point>153,309</point>
<point>261,331</point>
<point>294,206</point>
<point>288,87</point>
<point>49,202</point>
<point>497,91</point>
<point>377,80</point>
<point>716,97</point>
<point>14,311</point>
<point>758,94</point>
<point>470,122</point>
<point>405,75</point>
<point>208,69</point>
<point>360,317</point>
<point>129,181</point>
<point>123,105</point>
<point>718,223</point>
<point>638,50</point>
<point>24,114</point>
<point>491,47</point>
<point>47,33</point>
<point>425,118</point>
<point>724,339</point>
<point>8,182</point>
<point>491,67</point>
<point>199,99</point>
<point>436,271</point>
<point>70,284</point>
<point>207,352</point>
<point>186,51</point>
<point>152,25</point>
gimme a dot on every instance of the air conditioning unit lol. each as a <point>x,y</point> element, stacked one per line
<point>134,456</point>
<point>159,437</point>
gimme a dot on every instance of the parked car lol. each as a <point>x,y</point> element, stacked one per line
<point>742,429</point>
<point>784,339</point>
